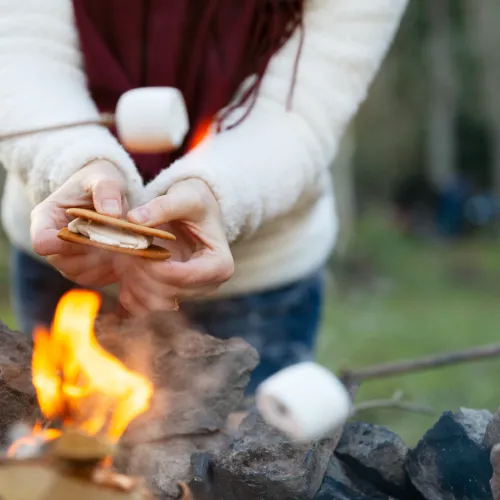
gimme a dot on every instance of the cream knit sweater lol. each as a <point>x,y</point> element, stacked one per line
<point>270,174</point>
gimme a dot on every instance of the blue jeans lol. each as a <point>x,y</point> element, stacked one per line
<point>282,324</point>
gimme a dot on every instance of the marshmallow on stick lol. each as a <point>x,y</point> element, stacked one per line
<point>148,120</point>
<point>152,119</point>
<point>305,401</point>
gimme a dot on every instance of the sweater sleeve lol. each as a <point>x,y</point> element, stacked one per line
<point>42,83</point>
<point>276,159</point>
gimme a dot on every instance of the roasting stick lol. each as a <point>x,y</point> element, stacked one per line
<point>148,120</point>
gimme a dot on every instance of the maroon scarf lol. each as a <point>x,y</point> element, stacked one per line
<point>205,48</point>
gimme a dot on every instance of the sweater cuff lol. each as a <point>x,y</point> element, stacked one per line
<point>62,154</point>
<point>197,165</point>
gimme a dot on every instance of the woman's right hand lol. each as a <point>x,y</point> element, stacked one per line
<point>99,185</point>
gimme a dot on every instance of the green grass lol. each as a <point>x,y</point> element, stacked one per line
<point>412,300</point>
<point>7,317</point>
<point>5,311</point>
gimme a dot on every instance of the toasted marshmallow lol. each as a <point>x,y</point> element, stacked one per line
<point>108,235</point>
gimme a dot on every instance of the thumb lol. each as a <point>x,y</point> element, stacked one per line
<point>177,205</point>
<point>107,187</point>
<point>107,197</point>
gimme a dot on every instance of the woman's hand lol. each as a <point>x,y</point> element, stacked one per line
<point>98,185</point>
<point>201,259</point>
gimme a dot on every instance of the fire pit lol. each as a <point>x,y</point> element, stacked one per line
<point>181,386</point>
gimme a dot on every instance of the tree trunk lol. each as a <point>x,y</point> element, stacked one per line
<point>345,198</point>
<point>441,139</point>
<point>483,25</point>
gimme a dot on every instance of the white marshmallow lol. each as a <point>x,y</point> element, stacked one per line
<point>152,119</point>
<point>305,401</point>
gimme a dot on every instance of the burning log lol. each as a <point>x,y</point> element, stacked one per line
<point>34,480</point>
<point>69,467</point>
<point>73,466</point>
<point>31,479</point>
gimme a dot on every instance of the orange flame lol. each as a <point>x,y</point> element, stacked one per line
<point>38,435</point>
<point>77,381</point>
<point>201,132</point>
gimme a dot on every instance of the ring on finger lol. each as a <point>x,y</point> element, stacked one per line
<point>176,303</point>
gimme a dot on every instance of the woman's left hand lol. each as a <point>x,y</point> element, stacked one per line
<point>201,258</point>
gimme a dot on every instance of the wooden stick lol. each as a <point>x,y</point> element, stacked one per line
<point>395,402</point>
<point>105,119</point>
<point>413,365</point>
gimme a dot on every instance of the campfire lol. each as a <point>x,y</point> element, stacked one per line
<point>88,398</point>
<point>89,392</point>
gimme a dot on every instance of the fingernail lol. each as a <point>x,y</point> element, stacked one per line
<point>140,215</point>
<point>111,207</point>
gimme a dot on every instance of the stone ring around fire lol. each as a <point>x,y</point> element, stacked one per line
<point>117,235</point>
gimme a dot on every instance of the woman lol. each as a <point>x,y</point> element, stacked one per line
<point>251,205</point>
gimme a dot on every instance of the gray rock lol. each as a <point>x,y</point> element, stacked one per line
<point>492,434</point>
<point>263,464</point>
<point>474,422</point>
<point>377,455</point>
<point>17,395</point>
<point>199,380</point>
<point>495,480</point>
<point>450,462</point>
<point>166,463</point>
<point>340,483</point>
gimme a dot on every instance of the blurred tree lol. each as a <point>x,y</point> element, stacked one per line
<point>443,94</point>
<point>2,181</point>
<point>482,21</point>
<point>391,124</point>
<point>345,196</point>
